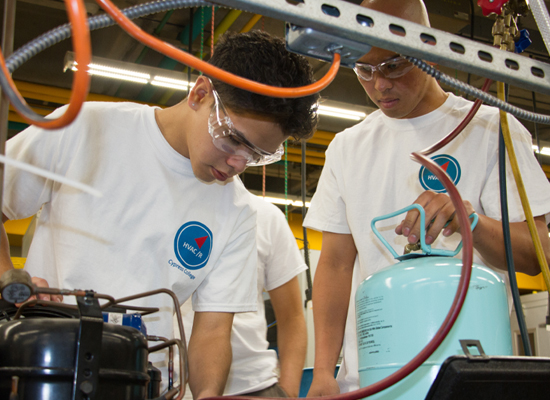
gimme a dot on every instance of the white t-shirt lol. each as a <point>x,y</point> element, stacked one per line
<point>156,226</point>
<point>253,366</point>
<point>368,173</point>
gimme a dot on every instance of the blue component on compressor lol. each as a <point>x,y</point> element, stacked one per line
<point>523,42</point>
<point>131,320</point>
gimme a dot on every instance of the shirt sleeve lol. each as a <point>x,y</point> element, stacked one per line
<point>327,211</point>
<point>25,192</point>
<point>231,285</point>
<point>278,249</point>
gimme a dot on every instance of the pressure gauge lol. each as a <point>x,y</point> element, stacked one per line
<point>16,286</point>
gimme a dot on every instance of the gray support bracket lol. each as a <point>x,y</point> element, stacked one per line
<point>88,349</point>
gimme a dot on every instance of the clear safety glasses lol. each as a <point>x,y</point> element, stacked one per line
<point>394,68</point>
<point>229,140</point>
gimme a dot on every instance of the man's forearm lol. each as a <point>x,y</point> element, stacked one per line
<point>209,354</point>
<point>489,241</point>
<point>330,306</point>
<point>292,344</point>
<point>208,375</point>
<point>331,296</point>
<point>291,334</point>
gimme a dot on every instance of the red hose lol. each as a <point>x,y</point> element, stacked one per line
<point>450,137</point>
<point>452,315</point>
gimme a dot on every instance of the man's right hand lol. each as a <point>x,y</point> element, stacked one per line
<point>323,386</point>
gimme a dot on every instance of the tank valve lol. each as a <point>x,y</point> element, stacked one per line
<point>409,248</point>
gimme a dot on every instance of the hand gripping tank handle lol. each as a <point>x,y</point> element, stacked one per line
<point>426,248</point>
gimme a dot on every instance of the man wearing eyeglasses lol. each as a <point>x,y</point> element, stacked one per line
<point>173,214</point>
<point>368,173</point>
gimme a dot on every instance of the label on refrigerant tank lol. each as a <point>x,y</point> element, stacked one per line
<point>371,326</point>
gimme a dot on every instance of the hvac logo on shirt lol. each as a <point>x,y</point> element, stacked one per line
<point>193,245</point>
<point>449,164</point>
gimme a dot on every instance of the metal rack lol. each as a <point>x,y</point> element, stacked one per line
<point>355,23</point>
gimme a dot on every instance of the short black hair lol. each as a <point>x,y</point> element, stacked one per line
<point>263,58</point>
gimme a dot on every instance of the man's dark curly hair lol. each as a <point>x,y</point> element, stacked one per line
<point>263,58</point>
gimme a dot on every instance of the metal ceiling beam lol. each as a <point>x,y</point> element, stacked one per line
<point>348,21</point>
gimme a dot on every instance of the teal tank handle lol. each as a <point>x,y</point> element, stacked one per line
<point>426,248</point>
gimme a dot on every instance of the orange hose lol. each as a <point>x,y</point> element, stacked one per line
<point>81,82</point>
<point>193,62</point>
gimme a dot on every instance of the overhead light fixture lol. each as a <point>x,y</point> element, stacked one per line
<point>130,72</point>
<point>341,113</point>
<point>142,74</point>
<point>115,73</point>
<point>545,150</point>
<point>177,84</point>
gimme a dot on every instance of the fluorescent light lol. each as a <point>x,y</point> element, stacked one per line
<point>298,203</point>
<point>280,201</point>
<point>116,76</point>
<point>130,72</point>
<point>163,81</point>
<point>170,80</point>
<point>105,73</point>
<point>118,71</point>
<point>137,77</point>
<point>168,85</point>
<point>341,113</point>
<point>545,150</point>
<point>141,74</point>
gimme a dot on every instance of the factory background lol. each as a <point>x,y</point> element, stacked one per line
<point>45,82</point>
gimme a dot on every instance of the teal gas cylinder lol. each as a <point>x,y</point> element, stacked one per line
<point>400,308</point>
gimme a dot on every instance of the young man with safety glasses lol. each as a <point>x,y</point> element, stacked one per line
<point>173,214</point>
<point>368,173</point>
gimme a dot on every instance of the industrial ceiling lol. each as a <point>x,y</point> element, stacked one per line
<point>45,86</point>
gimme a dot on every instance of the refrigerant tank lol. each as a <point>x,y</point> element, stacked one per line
<point>400,308</point>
